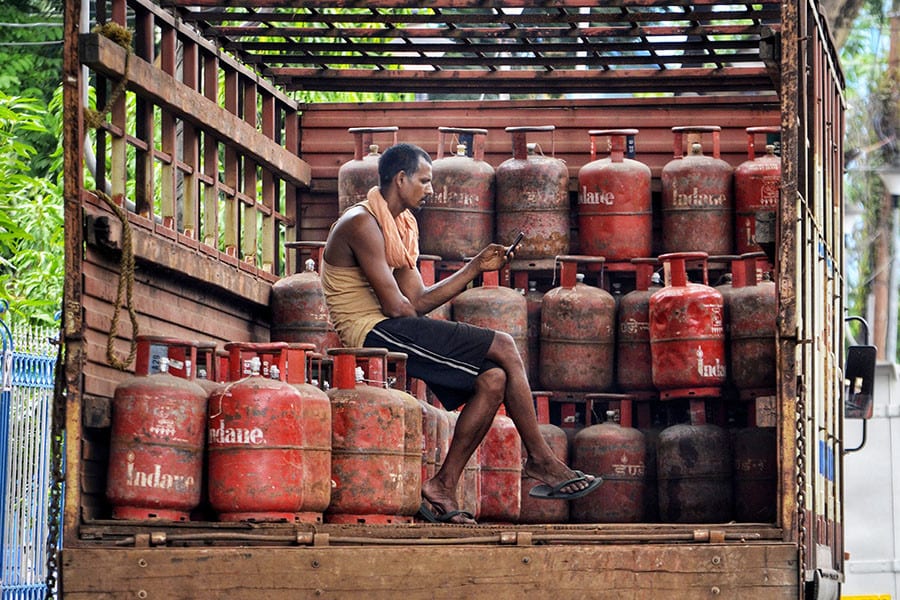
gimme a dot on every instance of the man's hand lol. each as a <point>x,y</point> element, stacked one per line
<point>491,258</point>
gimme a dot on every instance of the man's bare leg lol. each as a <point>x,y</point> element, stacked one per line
<point>472,425</point>
<point>542,464</point>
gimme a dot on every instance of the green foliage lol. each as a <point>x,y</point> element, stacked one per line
<point>870,121</point>
<point>31,215</point>
<point>31,63</point>
<point>31,54</point>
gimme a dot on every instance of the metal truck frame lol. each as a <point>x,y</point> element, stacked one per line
<point>197,165</point>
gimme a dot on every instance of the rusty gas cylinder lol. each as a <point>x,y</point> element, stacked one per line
<point>187,359</point>
<point>651,500</point>
<point>614,202</point>
<point>577,332</point>
<point>255,439</point>
<point>697,199</point>
<point>533,300</point>
<point>633,359</point>
<point>156,446</point>
<point>757,188</point>
<point>444,436</point>
<point>315,412</point>
<point>428,272</point>
<point>617,454</point>
<point>357,176</point>
<point>430,439</point>
<point>223,373</point>
<point>694,474</point>
<point>181,356</point>
<point>495,307</point>
<point>732,277</point>
<point>539,510</point>
<point>414,440</point>
<point>687,339</point>
<point>299,312</point>
<point>500,455</point>
<point>752,308</point>
<point>207,371</point>
<point>533,196</point>
<point>755,474</point>
<point>269,354</point>
<point>463,200</point>
<point>368,441</point>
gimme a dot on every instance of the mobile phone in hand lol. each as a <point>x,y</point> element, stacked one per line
<point>512,248</point>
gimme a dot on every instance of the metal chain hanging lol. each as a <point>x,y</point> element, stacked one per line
<point>801,482</point>
<point>57,437</point>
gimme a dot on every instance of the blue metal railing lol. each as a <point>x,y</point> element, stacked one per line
<point>28,362</point>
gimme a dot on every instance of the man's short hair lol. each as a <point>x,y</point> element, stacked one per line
<point>399,157</point>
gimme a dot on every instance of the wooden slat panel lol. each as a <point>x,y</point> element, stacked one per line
<point>108,57</point>
<point>515,82</point>
<point>674,572</point>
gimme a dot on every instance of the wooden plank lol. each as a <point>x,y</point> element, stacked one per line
<point>426,571</point>
<point>570,81</point>
<point>107,57</point>
<point>153,251</point>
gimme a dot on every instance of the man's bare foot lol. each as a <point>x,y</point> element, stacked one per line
<point>556,472</point>
<point>443,502</point>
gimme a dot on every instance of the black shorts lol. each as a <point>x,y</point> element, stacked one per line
<point>448,356</point>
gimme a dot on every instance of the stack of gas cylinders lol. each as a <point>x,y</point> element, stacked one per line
<point>650,350</point>
<point>277,432</point>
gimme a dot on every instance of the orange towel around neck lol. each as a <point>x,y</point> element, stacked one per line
<point>401,235</point>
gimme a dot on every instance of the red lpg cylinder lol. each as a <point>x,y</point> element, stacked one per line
<point>537,510</point>
<point>755,474</point>
<point>533,196</point>
<point>500,455</point>
<point>320,369</point>
<point>256,439</point>
<point>614,201</point>
<point>367,443</point>
<point>687,339</point>
<point>463,200</point>
<point>223,372</point>
<point>430,447</point>
<point>496,307</point>
<point>414,439</point>
<point>356,177</point>
<point>315,412</point>
<point>651,500</point>
<point>533,300</point>
<point>444,436</point>
<point>207,367</point>
<point>757,188</point>
<point>751,313</point>
<point>156,447</point>
<point>181,356</point>
<point>195,361</point>
<point>694,474</point>
<point>697,202</point>
<point>725,284</point>
<point>577,332</point>
<point>618,454</point>
<point>299,312</point>
<point>633,358</point>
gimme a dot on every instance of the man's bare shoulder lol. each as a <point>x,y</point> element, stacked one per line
<point>354,229</point>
